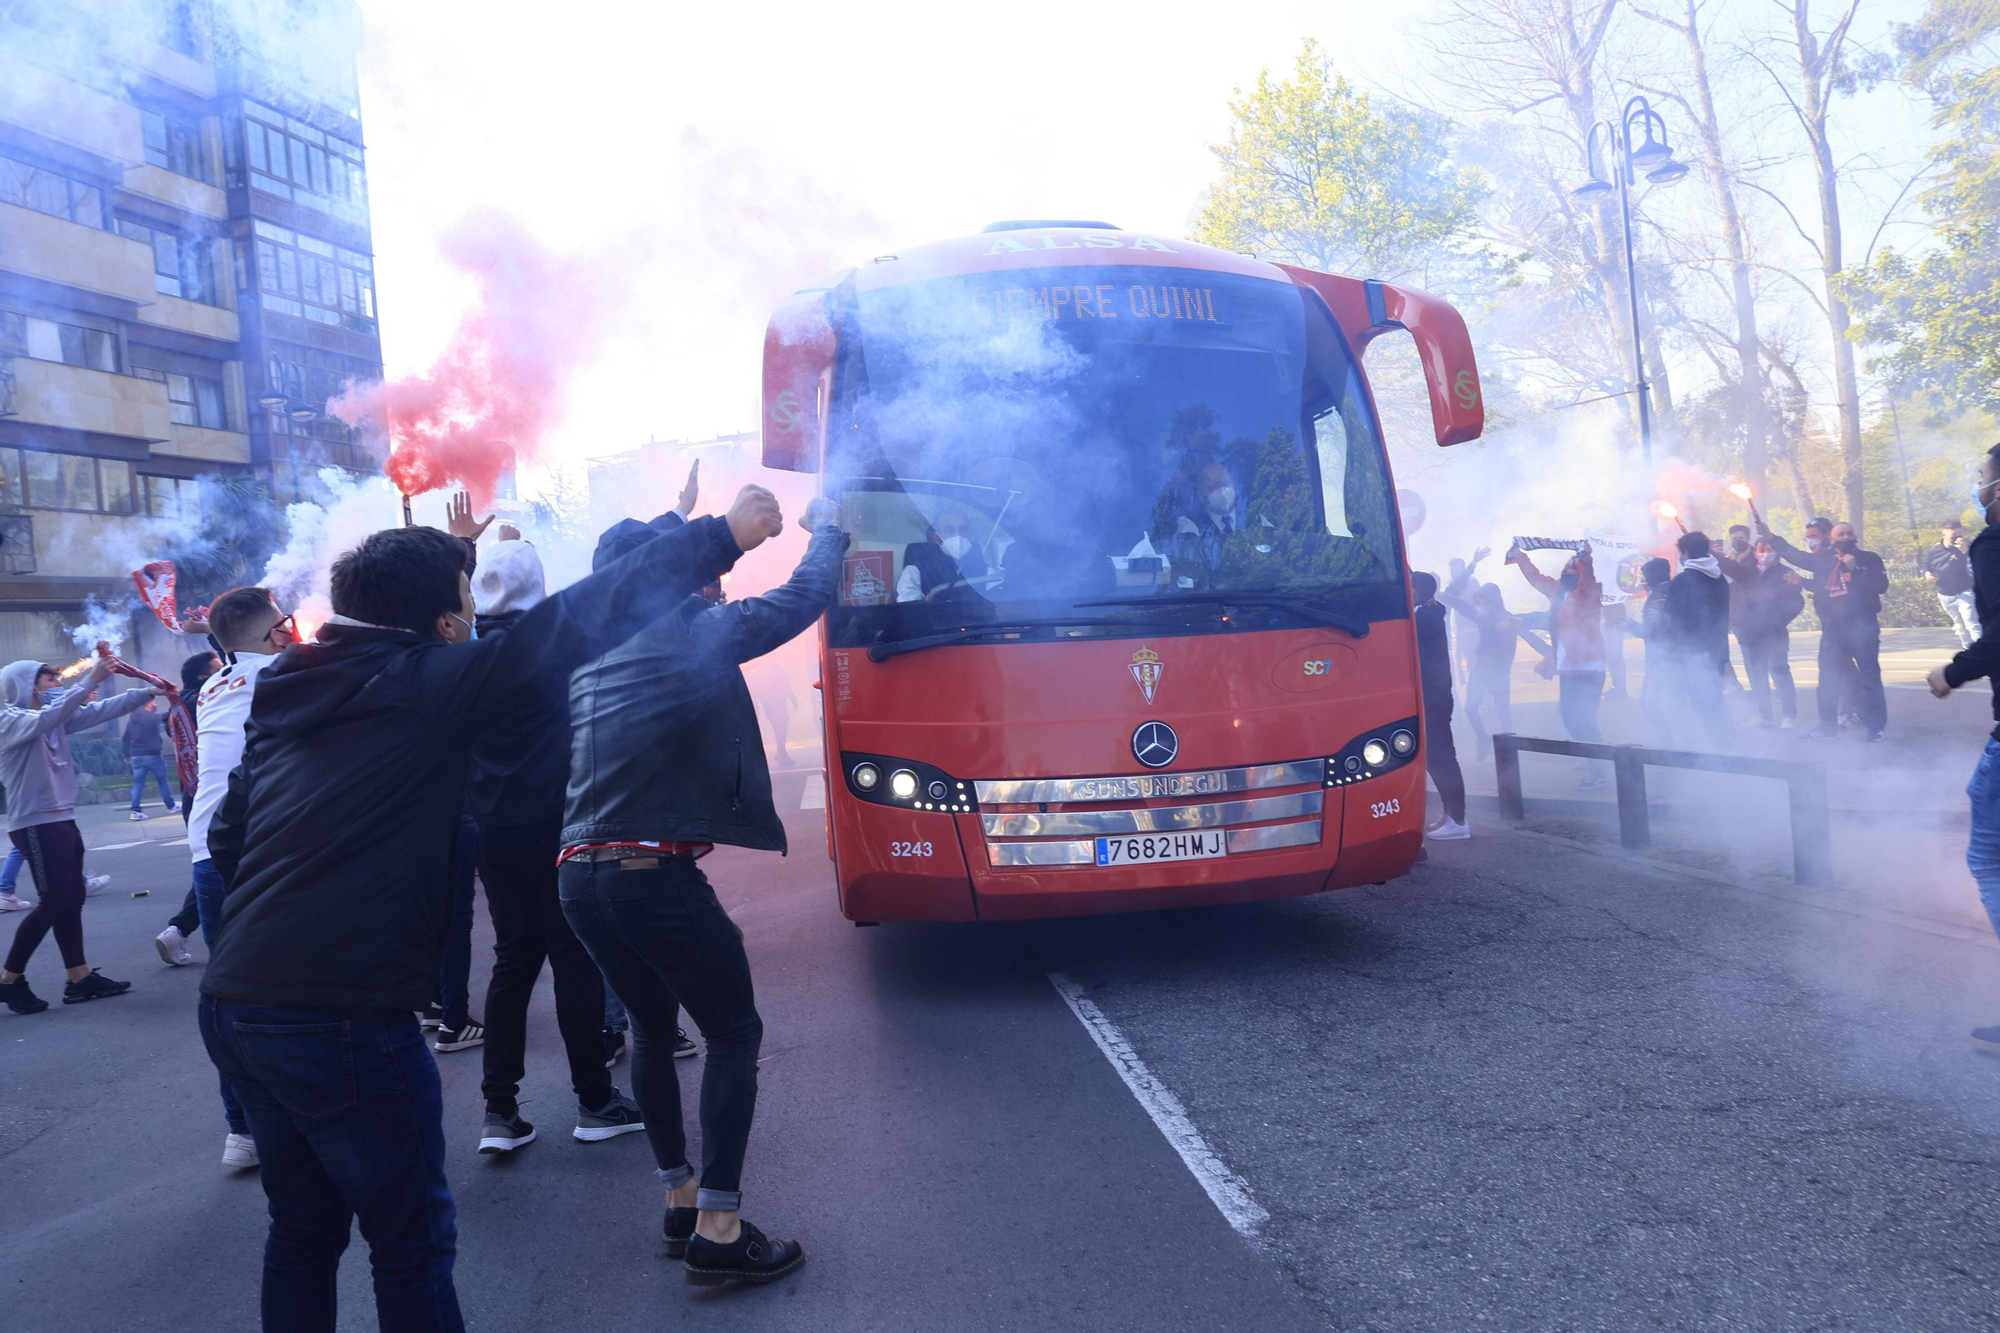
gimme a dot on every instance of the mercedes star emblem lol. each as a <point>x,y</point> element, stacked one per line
<point>1155,745</point>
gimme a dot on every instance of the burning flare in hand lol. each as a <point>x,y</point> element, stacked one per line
<point>1666,510</point>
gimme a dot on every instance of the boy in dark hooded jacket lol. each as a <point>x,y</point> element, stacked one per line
<point>1696,615</point>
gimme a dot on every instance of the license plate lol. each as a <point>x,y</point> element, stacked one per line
<point>1148,848</point>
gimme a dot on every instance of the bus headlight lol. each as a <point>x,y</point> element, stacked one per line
<point>903,784</point>
<point>1376,751</point>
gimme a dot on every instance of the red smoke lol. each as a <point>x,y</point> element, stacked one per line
<point>501,382</point>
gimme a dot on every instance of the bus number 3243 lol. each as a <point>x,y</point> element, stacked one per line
<point>909,849</point>
<point>1382,809</point>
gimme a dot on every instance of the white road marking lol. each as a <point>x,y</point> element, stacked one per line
<point>1226,1190</point>
<point>814,796</point>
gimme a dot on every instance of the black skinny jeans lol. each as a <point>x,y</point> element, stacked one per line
<point>517,864</point>
<point>55,859</point>
<point>663,940</point>
<point>1441,754</point>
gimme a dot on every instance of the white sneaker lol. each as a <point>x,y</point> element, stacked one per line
<point>12,903</point>
<point>1786,724</point>
<point>173,947</point>
<point>239,1152</point>
<point>95,884</point>
<point>137,814</point>
<point>1449,830</point>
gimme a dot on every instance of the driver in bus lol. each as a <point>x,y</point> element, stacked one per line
<point>945,565</point>
<point>1200,536</point>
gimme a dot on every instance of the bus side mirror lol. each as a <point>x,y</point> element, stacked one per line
<point>1367,309</point>
<point>798,382</point>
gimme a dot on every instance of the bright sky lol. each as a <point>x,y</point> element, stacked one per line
<point>858,126</point>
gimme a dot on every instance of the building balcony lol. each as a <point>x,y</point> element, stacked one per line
<point>204,321</point>
<point>47,393</point>
<point>215,446</point>
<point>181,192</point>
<point>165,64</point>
<point>36,245</point>
<point>64,110</point>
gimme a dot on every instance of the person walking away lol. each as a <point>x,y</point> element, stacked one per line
<point>10,869</point>
<point>40,778</point>
<point>334,841</point>
<point>142,749</point>
<point>1847,594</point>
<point>172,942</point>
<point>253,630</point>
<point>1696,619</point>
<point>1982,659</point>
<point>1948,567</point>
<point>1577,626</point>
<point>520,768</point>
<point>1765,598</point>
<point>1490,678</point>
<point>667,762</point>
<point>1434,670</point>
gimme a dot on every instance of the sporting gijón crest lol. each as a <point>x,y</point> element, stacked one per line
<point>1146,669</point>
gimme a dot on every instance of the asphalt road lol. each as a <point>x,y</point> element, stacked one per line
<point>1538,1084</point>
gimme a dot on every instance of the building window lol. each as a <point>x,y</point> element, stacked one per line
<point>304,276</point>
<point>11,492</point>
<point>92,349</point>
<point>192,400</point>
<point>293,160</point>
<point>51,192</point>
<point>182,265</point>
<point>173,144</point>
<point>175,498</point>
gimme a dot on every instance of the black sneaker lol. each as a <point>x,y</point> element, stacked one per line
<point>505,1132</point>
<point>750,1258</point>
<point>683,1048</point>
<point>96,986</point>
<point>432,1017</point>
<point>614,1047</point>
<point>20,998</point>
<point>460,1039</point>
<point>620,1115</point>
<point>1985,1039</point>
<point>677,1229</point>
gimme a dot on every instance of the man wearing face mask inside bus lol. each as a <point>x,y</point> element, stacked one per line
<point>1200,536</point>
<point>946,565</point>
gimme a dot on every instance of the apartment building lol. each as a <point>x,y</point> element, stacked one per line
<point>185,279</point>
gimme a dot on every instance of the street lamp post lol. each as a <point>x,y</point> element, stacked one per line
<point>1657,161</point>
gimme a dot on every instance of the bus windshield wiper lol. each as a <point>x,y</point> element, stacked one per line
<point>1294,605</point>
<point>882,652</point>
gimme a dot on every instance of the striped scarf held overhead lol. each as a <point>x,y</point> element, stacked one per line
<point>1549,543</point>
<point>180,722</point>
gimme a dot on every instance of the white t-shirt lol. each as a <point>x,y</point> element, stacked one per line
<point>222,711</point>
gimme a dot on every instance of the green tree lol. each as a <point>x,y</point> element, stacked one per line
<point>1936,315</point>
<point>1316,173</point>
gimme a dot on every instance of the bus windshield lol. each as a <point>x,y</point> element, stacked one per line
<point>1029,447</point>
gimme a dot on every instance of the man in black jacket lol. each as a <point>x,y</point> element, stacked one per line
<point>1695,615</point>
<point>1982,849</point>
<point>1949,572</point>
<point>1848,584</point>
<point>1765,598</point>
<point>1434,673</point>
<point>667,762</point>
<point>335,841</point>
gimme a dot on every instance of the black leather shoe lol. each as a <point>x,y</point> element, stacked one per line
<point>751,1258</point>
<point>678,1227</point>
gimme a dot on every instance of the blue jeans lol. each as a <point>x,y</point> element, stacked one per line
<point>614,1011</point>
<point>208,892</point>
<point>1982,850</point>
<point>348,1114</point>
<point>10,873</point>
<point>154,765</point>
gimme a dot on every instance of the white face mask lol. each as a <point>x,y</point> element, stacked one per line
<point>463,621</point>
<point>957,547</point>
<point>1221,500</point>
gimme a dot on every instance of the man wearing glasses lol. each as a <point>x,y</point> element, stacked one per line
<point>251,631</point>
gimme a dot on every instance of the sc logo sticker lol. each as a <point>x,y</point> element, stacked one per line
<point>785,411</point>
<point>1320,667</point>
<point>1467,389</point>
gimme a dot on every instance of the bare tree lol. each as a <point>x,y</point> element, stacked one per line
<point>1753,413</point>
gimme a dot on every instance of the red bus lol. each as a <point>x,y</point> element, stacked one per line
<point>1125,623</point>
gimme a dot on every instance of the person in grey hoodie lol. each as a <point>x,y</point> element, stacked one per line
<point>41,785</point>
